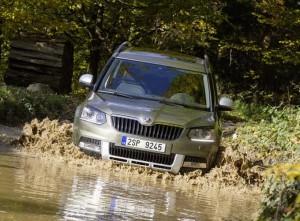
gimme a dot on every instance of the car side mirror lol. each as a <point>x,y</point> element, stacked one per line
<point>225,104</point>
<point>86,80</point>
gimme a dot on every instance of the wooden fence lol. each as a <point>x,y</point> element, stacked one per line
<point>38,60</point>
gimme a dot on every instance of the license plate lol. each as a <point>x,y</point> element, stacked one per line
<point>143,144</point>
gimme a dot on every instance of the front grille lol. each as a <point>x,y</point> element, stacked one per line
<point>158,131</point>
<point>141,155</point>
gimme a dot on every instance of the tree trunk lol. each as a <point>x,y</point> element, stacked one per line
<point>94,58</point>
<point>1,40</point>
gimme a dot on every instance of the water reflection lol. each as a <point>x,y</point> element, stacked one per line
<point>40,189</point>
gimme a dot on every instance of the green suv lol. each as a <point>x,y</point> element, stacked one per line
<point>151,108</point>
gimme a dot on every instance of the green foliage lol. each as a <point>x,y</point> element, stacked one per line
<point>252,44</point>
<point>3,56</point>
<point>281,44</point>
<point>274,133</point>
<point>258,46</point>
<point>247,111</point>
<point>282,189</point>
<point>18,106</point>
<point>180,26</point>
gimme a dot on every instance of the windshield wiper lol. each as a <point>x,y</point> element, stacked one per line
<point>116,94</point>
<point>164,102</point>
<point>171,103</point>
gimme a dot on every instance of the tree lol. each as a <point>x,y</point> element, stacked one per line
<point>175,24</point>
<point>258,45</point>
<point>255,43</point>
<point>95,25</point>
<point>282,24</point>
<point>101,25</point>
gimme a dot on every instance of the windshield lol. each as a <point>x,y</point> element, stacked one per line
<point>156,82</point>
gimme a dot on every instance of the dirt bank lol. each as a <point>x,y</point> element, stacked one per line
<point>236,167</point>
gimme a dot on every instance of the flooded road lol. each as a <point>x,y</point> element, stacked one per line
<point>39,189</point>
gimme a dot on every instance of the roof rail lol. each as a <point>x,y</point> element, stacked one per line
<point>123,46</point>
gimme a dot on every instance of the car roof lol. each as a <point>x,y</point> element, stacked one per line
<point>166,58</point>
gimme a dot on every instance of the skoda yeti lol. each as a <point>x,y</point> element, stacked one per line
<point>151,108</point>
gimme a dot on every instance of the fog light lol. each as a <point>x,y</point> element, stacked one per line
<point>90,144</point>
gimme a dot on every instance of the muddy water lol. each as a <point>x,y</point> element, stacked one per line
<point>39,189</point>
<point>48,178</point>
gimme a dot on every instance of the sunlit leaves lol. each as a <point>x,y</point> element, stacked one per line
<point>290,171</point>
<point>282,199</point>
<point>284,33</point>
<point>175,25</point>
<point>43,17</point>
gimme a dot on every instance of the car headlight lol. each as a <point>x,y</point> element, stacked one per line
<point>92,115</point>
<point>202,135</point>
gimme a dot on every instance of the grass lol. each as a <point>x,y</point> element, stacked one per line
<point>17,106</point>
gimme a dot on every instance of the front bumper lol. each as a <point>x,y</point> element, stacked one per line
<point>105,140</point>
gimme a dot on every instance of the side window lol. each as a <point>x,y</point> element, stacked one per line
<point>109,80</point>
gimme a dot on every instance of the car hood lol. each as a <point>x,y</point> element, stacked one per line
<point>142,110</point>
